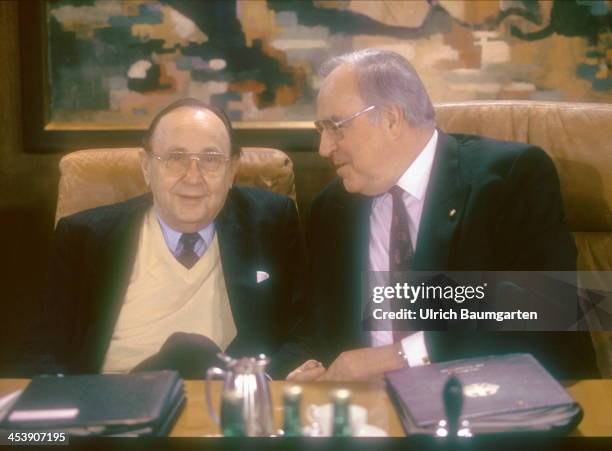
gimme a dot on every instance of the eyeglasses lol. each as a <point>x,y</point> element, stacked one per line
<point>177,163</point>
<point>335,127</point>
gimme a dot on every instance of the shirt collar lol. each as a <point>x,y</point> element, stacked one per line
<point>416,178</point>
<point>172,236</point>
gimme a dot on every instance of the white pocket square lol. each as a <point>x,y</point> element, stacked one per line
<point>261,276</point>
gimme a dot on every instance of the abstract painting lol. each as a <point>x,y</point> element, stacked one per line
<point>114,63</point>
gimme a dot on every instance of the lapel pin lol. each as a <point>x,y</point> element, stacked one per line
<point>452,213</point>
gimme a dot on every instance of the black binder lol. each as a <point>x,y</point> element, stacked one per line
<point>504,393</point>
<point>136,404</point>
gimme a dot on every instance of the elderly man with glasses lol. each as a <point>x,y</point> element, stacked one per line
<point>168,279</point>
<point>409,197</point>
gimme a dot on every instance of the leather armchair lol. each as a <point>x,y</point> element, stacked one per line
<point>94,177</point>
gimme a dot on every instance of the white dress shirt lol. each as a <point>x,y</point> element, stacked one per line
<point>414,182</point>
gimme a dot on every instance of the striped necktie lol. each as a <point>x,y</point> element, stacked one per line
<point>400,248</point>
<point>188,256</point>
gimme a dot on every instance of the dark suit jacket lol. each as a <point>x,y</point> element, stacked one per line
<point>91,266</point>
<point>509,217</point>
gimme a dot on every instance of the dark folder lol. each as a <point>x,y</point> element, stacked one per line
<point>503,393</point>
<point>111,404</point>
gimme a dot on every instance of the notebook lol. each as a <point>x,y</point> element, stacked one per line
<point>502,393</point>
<point>133,404</point>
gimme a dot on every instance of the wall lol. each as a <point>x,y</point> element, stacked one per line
<point>27,195</point>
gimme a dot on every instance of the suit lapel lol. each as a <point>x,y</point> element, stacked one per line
<point>444,204</point>
<point>238,260</point>
<point>115,266</point>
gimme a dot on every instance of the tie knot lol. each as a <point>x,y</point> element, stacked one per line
<point>396,193</point>
<point>189,240</point>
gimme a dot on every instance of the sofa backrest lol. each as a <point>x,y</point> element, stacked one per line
<point>94,177</point>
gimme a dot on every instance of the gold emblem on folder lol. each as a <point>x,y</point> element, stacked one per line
<point>480,390</point>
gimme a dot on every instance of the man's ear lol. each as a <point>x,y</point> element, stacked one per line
<point>145,165</point>
<point>234,165</point>
<point>394,121</point>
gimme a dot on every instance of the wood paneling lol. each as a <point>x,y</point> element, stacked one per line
<point>27,194</point>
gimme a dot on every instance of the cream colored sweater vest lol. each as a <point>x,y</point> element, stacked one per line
<point>164,297</point>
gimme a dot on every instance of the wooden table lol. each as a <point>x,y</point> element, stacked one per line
<point>595,396</point>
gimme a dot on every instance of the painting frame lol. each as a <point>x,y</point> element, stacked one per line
<point>41,135</point>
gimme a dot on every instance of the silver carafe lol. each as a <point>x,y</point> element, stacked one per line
<point>248,379</point>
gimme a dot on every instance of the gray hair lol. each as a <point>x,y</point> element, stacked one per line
<point>386,78</point>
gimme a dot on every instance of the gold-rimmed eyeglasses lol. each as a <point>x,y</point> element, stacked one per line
<point>335,127</point>
<point>177,163</point>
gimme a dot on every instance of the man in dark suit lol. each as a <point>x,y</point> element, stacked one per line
<point>410,197</point>
<point>173,276</point>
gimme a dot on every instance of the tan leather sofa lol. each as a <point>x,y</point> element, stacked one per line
<point>575,135</point>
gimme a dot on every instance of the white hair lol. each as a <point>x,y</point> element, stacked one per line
<point>386,78</point>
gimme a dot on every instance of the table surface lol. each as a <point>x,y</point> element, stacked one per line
<point>594,395</point>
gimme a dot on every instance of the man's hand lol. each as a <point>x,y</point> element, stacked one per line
<point>310,370</point>
<point>364,364</point>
